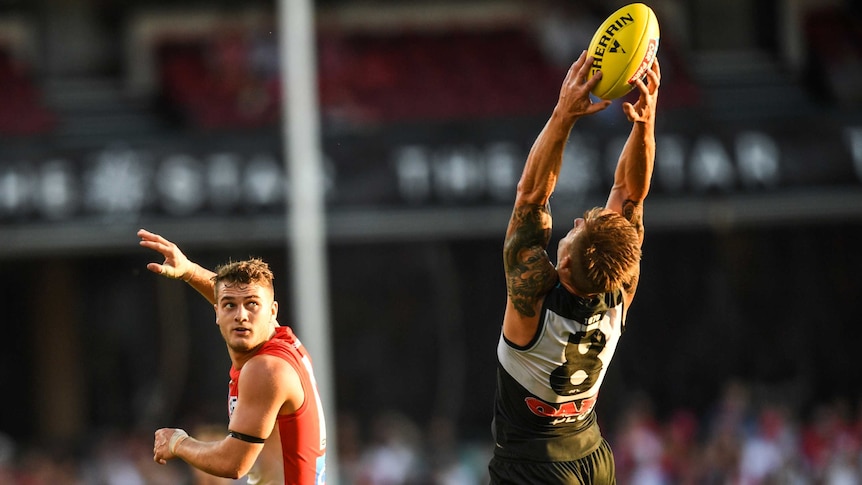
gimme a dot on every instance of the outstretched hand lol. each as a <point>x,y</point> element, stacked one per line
<point>575,98</point>
<point>644,109</point>
<point>176,264</point>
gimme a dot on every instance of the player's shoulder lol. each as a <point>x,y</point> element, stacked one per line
<point>269,378</point>
<point>267,367</point>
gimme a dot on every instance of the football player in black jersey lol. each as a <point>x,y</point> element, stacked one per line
<point>562,322</point>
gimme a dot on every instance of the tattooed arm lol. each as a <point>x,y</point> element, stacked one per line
<point>529,271</point>
<point>635,167</point>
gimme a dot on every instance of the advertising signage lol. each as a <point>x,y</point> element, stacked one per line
<point>446,167</point>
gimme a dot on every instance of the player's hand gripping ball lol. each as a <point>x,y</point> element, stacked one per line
<point>623,48</point>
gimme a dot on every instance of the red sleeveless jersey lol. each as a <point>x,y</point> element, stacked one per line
<point>300,438</point>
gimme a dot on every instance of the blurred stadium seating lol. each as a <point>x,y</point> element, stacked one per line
<point>22,110</point>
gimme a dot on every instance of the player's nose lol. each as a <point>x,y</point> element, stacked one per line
<point>241,314</point>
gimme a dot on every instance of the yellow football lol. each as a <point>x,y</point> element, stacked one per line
<point>623,48</point>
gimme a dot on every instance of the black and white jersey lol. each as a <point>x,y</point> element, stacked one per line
<point>547,389</point>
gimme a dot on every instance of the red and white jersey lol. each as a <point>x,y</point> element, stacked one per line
<point>295,452</point>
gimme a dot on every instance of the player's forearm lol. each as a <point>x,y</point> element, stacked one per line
<point>637,160</point>
<point>212,457</point>
<point>201,279</point>
<point>545,160</point>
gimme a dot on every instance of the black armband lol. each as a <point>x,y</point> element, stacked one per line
<point>245,437</point>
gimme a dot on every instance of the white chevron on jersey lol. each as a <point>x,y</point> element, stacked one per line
<point>532,367</point>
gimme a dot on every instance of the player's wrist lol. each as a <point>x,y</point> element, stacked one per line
<point>564,117</point>
<point>190,274</point>
<point>178,437</point>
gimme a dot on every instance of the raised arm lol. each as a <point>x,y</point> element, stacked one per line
<point>539,177</point>
<point>634,169</point>
<point>529,271</point>
<point>177,265</point>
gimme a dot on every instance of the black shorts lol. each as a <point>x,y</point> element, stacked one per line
<point>597,468</point>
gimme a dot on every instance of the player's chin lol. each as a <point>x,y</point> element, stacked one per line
<point>241,346</point>
<point>241,341</point>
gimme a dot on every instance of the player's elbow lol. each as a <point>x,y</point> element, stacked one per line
<point>234,468</point>
<point>638,190</point>
<point>637,197</point>
<point>234,472</point>
<point>242,468</point>
<point>531,192</point>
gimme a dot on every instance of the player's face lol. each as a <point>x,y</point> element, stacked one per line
<point>245,314</point>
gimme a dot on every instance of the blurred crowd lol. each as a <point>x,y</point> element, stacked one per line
<point>739,440</point>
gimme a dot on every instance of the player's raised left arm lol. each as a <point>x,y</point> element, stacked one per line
<point>634,169</point>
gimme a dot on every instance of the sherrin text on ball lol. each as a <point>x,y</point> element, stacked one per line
<point>623,48</point>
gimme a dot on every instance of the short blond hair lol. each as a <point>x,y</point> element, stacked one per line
<point>252,271</point>
<point>607,253</point>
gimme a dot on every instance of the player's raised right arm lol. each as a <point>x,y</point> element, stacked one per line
<point>634,169</point>
<point>177,265</point>
<point>529,271</point>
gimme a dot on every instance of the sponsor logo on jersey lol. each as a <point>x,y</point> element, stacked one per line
<point>566,412</point>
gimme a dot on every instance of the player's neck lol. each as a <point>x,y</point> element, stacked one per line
<point>238,358</point>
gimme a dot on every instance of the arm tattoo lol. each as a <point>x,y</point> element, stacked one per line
<point>633,211</point>
<point>531,225</point>
<point>529,272</point>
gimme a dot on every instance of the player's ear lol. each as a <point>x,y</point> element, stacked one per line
<point>565,261</point>
<point>275,311</point>
<point>564,265</point>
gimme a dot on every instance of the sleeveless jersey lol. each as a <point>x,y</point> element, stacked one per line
<point>546,390</point>
<point>295,452</point>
